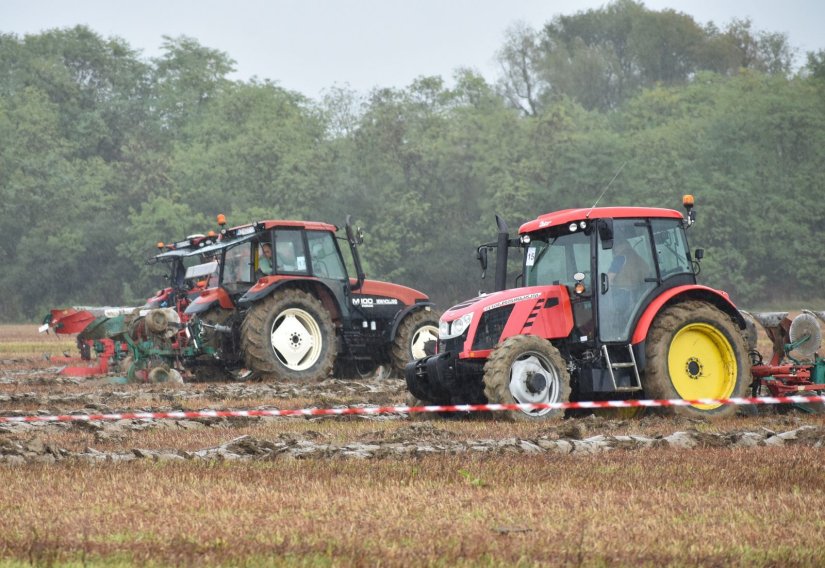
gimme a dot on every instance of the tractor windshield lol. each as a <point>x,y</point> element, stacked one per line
<point>553,259</point>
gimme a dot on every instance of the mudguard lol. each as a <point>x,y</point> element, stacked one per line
<point>208,299</point>
<point>264,287</point>
<point>718,298</point>
<point>269,284</point>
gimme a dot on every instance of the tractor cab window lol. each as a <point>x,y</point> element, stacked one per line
<point>290,256</point>
<point>553,259</point>
<point>238,267</point>
<point>627,274</point>
<point>202,281</point>
<point>326,259</point>
<point>671,247</point>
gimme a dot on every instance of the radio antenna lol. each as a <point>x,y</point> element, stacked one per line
<point>605,190</point>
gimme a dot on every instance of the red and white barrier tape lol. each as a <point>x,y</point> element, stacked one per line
<point>177,415</point>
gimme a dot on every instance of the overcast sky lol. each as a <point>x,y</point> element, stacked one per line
<point>310,45</point>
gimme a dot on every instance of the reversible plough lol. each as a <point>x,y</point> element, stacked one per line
<point>145,341</point>
<point>795,366</point>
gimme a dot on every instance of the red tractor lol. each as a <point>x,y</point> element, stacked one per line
<point>284,307</point>
<point>608,308</point>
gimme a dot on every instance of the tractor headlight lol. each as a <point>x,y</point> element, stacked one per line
<point>448,330</point>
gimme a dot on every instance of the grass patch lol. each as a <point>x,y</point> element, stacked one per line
<point>624,508</point>
<point>28,348</point>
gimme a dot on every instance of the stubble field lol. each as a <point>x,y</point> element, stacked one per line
<point>389,490</point>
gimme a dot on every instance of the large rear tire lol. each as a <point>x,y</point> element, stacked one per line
<point>527,369</point>
<point>414,333</point>
<point>694,350</point>
<point>289,335</point>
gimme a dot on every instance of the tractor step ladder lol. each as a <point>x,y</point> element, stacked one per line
<point>611,366</point>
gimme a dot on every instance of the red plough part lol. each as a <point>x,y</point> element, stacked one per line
<point>795,366</point>
<point>102,366</point>
<point>71,321</point>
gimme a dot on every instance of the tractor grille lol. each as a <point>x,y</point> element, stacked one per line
<point>453,345</point>
<point>490,327</point>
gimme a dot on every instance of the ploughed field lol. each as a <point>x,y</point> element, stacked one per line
<point>594,490</point>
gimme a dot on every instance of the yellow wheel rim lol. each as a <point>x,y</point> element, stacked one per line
<point>702,364</point>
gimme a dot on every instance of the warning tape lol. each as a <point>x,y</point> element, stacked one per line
<point>464,408</point>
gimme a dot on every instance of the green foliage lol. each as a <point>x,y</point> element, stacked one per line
<point>603,57</point>
<point>105,154</point>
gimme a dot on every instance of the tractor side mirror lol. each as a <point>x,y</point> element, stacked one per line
<point>354,236</point>
<point>606,233</point>
<point>481,256</point>
<point>699,254</point>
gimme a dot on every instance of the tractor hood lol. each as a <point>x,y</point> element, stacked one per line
<point>474,327</point>
<point>405,295</point>
<point>487,302</point>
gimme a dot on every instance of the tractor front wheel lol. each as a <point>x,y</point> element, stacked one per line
<point>695,351</point>
<point>414,334</point>
<point>289,335</point>
<point>527,369</point>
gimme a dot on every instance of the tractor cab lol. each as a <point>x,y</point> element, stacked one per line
<point>179,257</point>
<point>250,259</point>
<point>612,261</point>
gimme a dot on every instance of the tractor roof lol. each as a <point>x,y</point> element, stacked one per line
<point>271,224</point>
<point>182,248</point>
<point>310,225</point>
<point>565,216</point>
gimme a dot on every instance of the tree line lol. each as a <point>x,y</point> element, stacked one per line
<point>103,153</point>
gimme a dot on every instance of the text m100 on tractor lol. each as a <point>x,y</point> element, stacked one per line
<point>608,308</point>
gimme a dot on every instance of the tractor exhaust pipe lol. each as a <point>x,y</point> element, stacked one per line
<point>501,254</point>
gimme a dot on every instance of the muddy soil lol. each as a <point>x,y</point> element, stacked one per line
<point>28,389</point>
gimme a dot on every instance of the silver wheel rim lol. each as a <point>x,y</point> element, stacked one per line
<point>534,380</point>
<point>296,339</point>
<point>422,335</point>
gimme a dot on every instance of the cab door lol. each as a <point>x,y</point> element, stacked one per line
<point>626,275</point>
<point>327,265</point>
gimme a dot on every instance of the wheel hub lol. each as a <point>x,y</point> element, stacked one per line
<point>532,381</point>
<point>536,383</point>
<point>693,368</point>
<point>702,364</point>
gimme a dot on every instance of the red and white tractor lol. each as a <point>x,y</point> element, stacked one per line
<point>285,307</point>
<point>608,307</point>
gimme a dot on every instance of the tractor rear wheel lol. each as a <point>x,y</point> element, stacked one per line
<point>695,351</point>
<point>414,333</point>
<point>289,335</point>
<point>527,369</point>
